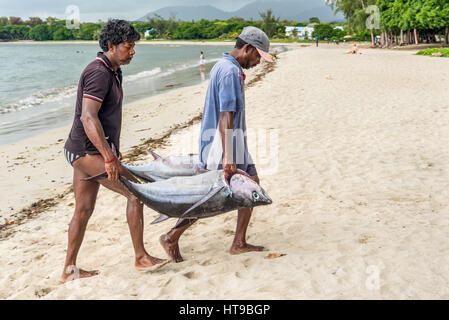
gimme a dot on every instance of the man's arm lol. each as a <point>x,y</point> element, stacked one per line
<point>95,133</point>
<point>226,127</point>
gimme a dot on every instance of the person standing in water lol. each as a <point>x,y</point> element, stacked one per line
<point>202,62</point>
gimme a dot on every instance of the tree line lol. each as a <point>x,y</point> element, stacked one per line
<point>13,28</point>
<point>400,22</point>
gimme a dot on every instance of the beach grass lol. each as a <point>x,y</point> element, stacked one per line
<point>434,52</point>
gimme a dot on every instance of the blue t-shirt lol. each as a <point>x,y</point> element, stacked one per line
<point>224,94</point>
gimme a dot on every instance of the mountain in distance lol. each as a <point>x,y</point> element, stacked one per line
<point>186,13</point>
<point>300,10</point>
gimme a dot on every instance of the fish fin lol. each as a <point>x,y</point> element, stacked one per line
<point>211,193</point>
<point>182,222</point>
<point>154,154</point>
<point>161,218</point>
<point>97,177</point>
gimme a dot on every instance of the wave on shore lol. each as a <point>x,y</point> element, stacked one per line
<point>56,94</point>
<point>40,97</point>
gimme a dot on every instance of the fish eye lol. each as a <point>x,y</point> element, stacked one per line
<point>255,196</point>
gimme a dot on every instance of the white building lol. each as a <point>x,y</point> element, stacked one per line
<point>303,33</point>
<point>147,33</point>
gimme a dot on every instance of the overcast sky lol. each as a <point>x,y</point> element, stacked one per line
<point>93,10</point>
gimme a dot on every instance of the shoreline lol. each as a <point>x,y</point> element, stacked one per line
<point>133,153</point>
<point>151,42</point>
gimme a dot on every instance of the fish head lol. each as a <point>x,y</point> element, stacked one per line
<point>246,191</point>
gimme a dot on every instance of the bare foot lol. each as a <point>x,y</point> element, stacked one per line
<point>148,261</point>
<point>73,273</point>
<point>244,247</point>
<point>171,248</point>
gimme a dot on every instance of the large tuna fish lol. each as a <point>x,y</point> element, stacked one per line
<point>165,168</point>
<point>200,196</point>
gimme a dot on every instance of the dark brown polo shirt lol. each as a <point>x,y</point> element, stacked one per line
<point>101,83</point>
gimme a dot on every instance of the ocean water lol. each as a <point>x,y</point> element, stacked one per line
<point>38,82</point>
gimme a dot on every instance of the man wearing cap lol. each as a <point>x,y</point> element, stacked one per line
<point>222,143</point>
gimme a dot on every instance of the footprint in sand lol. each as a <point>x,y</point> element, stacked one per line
<point>206,262</point>
<point>42,292</point>
<point>191,275</point>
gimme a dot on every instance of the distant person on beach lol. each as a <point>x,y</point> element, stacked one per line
<point>93,145</point>
<point>202,62</point>
<point>354,49</point>
<point>222,143</point>
<point>317,40</point>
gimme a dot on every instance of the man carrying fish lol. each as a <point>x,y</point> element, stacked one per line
<point>94,143</point>
<point>223,143</point>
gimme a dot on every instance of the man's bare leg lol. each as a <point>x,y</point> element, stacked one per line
<point>91,165</point>
<point>239,244</point>
<point>134,216</point>
<point>85,197</point>
<point>169,241</point>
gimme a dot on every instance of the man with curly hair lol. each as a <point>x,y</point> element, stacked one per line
<point>93,145</point>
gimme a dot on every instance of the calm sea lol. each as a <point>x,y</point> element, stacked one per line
<point>38,82</point>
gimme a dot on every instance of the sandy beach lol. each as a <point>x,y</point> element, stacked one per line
<point>352,150</point>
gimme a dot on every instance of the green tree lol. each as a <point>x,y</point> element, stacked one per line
<point>40,33</point>
<point>294,33</point>
<point>323,31</point>
<point>51,20</point>
<point>269,22</point>
<point>15,21</point>
<point>60,32</point>
<point>3,21</point>
<point>414,20</point>
<point>34,21</point>
<point>164,28</point>
<point>314,20</point>
<point>355,12</point>
<point>88,31</point>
